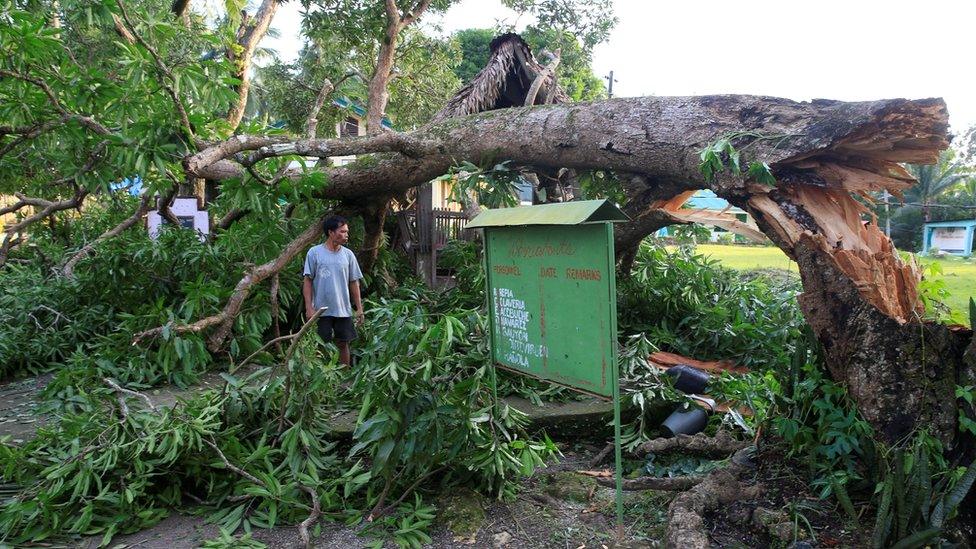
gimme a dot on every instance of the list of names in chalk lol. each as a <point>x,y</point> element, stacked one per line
<point>512,321</point>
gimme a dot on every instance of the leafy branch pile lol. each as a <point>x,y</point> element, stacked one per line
<point>258,452</point>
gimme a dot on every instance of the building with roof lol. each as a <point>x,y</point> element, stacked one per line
<point>951,237</point>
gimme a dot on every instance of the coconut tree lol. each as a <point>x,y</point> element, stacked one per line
<point>934,180</point>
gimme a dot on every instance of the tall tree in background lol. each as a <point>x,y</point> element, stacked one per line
<point>251,30</point>
<point>360,26</point>
<point>933,181</point>
<point>589,21</point>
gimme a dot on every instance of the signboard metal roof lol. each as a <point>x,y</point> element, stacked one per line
<point>564,213</point>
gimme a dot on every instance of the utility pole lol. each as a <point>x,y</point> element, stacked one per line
<point>611,80</point>
<point>887,199</point>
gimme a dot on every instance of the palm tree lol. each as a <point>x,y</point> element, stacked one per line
<point>934,180</point>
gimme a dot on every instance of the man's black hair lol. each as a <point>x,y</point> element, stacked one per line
<point>332,224</point>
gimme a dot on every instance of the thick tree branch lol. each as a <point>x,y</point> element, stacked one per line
<point>377,91</point>
<point>577,136</point>
<point>230,218</point>
<point>201,164</point>
<point>312,122</point>
<point>164,203</point>
<point>121,29</point>
<point>414,14</point>
<point>548,72</point>
<point>224,320</point>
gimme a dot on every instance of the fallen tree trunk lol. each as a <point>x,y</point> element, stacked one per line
<point>658,138</point>
<point>860,298</point>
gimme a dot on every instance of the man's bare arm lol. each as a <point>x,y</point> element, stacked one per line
<point>307,292</point>
<point>357,301</point>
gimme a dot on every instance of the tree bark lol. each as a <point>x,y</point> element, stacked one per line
<point>378,90</point>
<point>250,34</point>
<point>374,216</point>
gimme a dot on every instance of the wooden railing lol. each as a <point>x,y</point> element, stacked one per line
<point>448,225</point>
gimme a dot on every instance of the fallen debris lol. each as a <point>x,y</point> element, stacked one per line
<point>686,515</point>
<point>721,445</point>
<point>666,360</point>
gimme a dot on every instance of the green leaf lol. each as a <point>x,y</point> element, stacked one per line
<point>761,173</point>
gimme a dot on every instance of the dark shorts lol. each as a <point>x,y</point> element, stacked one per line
<point>340,328</point>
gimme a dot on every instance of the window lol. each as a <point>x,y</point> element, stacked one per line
<point>349,127</point>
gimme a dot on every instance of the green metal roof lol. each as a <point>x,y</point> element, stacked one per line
<point>959,223</point>
<point>563,213</point>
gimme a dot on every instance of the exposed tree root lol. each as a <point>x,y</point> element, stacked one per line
<point>312,517</point>
<point>675,484</point>
<point>720,446</point>
<point>686,514</point>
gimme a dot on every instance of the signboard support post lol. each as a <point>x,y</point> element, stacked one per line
<point>618,464</point>
<point>615,376</point>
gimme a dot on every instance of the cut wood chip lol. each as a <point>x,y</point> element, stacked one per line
<point>666,360</point>
<point>673,207</point>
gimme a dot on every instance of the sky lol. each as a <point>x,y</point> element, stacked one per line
<point>847,50</point>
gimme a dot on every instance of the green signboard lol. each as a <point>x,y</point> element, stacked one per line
<point>551,293</point>
<point>552,303</point>
<point>552,300</point>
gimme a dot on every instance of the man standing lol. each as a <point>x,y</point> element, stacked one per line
<point>331,278</point>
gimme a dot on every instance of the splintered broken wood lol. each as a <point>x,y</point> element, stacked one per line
<point>721,220</point>
<point>664,361</point>
<point>833,220</point>
<point>667,360</point>
<point>724,220</point>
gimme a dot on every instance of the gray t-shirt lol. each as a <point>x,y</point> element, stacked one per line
<point>331,272</point>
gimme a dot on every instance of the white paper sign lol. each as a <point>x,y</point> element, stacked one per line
<point>187,212</point>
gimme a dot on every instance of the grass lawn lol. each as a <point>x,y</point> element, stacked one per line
<point>958,275</point>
